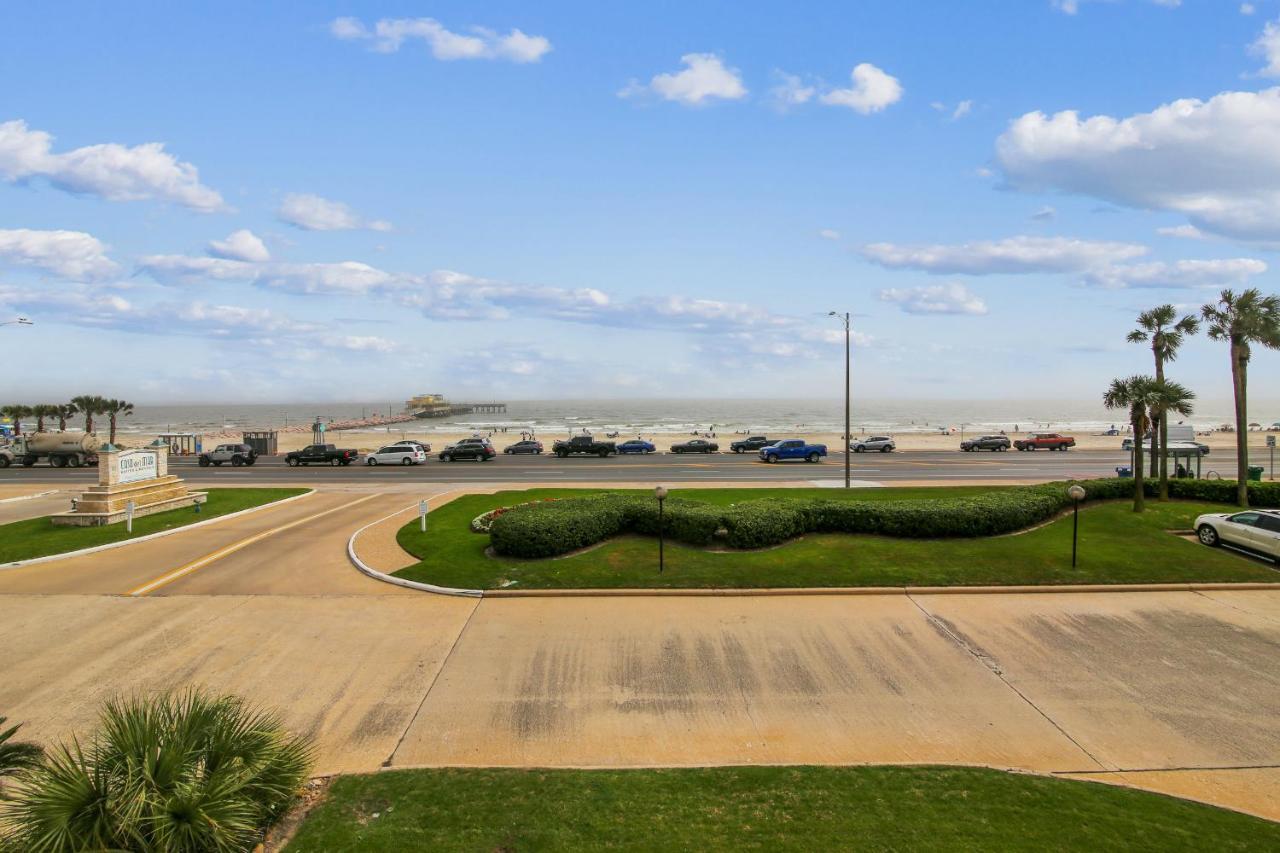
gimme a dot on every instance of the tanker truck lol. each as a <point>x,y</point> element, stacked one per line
<point>69,449</point>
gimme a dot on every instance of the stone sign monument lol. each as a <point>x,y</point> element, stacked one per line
<point>138,476</point>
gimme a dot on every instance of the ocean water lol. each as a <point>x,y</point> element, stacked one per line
<point>685,416</point>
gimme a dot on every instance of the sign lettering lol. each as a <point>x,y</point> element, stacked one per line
<point>137,465</point>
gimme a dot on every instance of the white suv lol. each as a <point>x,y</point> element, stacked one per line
<point>883,443</point>
<point>397,454</point>
<point>1256,530</point>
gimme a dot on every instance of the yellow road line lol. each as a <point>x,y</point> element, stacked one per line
<point>200,563</point>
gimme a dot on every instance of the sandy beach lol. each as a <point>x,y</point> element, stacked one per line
<point>369,439</point>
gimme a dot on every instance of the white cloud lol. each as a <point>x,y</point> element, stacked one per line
<point>1247,8</point>
<point>871,92</point>
<point>1045,214</point>
<point>1186,232</point>
<point>1011,255</point>
<point>242,245</point>
<point>1072,7</point>
<point>315,213</point>
<point>962,109</point>
<point>704,78</point>
<point>1179,274</point>
<point>791,91</point>
<point>952,298</point>
<point>110,171</point>
<point>1216,161</point>
<point>389,34</point>
<point>829,234</point>
<point>69,254</point>
<point>1268,47</point>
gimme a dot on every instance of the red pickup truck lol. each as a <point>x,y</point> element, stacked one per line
<point>1044,441</point>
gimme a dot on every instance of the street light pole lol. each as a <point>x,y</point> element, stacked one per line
<point>660,492</point>
<point>847,436</point>
<point>1076,493</point>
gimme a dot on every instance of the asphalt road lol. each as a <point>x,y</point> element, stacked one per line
<point>939,466</point>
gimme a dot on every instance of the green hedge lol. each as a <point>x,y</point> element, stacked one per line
<point>552,528</point>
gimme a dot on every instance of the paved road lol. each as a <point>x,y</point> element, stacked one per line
<point>905,466</point>
<point>1170,691</point>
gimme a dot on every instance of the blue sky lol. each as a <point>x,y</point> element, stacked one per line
<point>660,199</point>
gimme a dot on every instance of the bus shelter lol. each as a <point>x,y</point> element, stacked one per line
<point>181,443</point>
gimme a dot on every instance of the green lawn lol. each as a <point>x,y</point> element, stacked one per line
<point>38,537</point>
<point>1116,546</point>
<point>761,808</point>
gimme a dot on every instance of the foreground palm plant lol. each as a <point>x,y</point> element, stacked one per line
<point>15,756</point>
<point>181,772</point>
<point>1142,396</point>
<point>113,409</point>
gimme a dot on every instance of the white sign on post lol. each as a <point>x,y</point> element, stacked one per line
<point>422,515</point>
<point>128,515</point>
<point>137,465</point>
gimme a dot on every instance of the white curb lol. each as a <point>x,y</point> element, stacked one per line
<point>65,554</point>
<point>392,579</point>
<point>28,497</point>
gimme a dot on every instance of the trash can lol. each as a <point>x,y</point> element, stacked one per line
<point>1255,473</point>
<point>1124,471</point>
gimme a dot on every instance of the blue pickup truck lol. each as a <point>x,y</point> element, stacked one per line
<point>793,448</point>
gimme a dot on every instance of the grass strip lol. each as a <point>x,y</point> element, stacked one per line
<point>39,537</point>
<point>1116,546</point>
<point>761,808</point>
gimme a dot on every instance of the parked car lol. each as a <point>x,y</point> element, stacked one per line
<point>478,449</point>
<point>526,446</point>
<point>425,448</point>
<point>1255,530</point>
<point>753,442</point>
<point>793,448</point>
<point>637,445</point>
<point>236,454</point>
<point>397,454</point>
<point>697,445</point>
<point>883,443</point>
<point>584,445</point>
<point>1044,441</point>
<point>986,442</point>
<point>320,454</point>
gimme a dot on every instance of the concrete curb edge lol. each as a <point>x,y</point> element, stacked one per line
<point>28,497</point>
<point>366,569</point>
<point>17,564</point>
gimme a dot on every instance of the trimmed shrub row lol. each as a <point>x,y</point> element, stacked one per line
<point>552,528</point>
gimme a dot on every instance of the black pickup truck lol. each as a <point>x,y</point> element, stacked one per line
<point>584,445</point>
<point>750,444</point>
<point>320,454</point>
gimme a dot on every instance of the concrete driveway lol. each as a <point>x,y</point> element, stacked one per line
<point>1173,691</point>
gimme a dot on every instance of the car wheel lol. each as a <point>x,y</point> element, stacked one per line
<point>448,457</point>
<point>1208,536</point>
<point>813,457</point>
<point>4,461</point>
<point>859,449</point>
<point>406,461</point>
<point>371,461</point>
<point>57,461</point>
<point>333,463</point>
<point>885,449</point>
<point>292,463</point>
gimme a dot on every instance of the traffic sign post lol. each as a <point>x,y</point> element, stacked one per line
<point>422,515</point>
<point>128,516</point>
<point>1271,449</point>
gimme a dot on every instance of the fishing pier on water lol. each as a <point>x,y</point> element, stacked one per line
<point>436,406</point>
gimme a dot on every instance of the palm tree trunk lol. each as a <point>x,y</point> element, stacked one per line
<point>1160,438</point>
<point>62,423</point>
<point>1139,497</point>
<point>40,423</point>
<point>1239,381</point>
<point>112,416</point>
<point>88,422</point>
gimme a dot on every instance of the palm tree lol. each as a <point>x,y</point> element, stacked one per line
<point>1243,320</point>
<point>88,405</point>
<point>114,409</point>
<point>1133,394</point>
<point>65,412</point>
<point>1166,333</point>
<point>15,756</point>
<point>42,411</point>
<point>16,412</point>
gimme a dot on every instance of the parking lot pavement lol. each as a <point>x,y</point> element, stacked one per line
<point>692,681</point>
<point>349,671</point>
